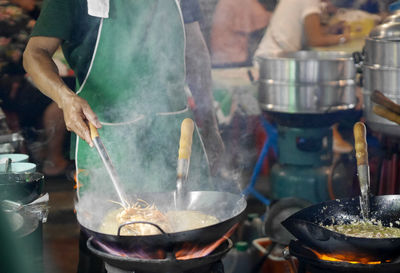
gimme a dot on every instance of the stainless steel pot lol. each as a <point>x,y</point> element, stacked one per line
<point>376,122</point>
<point>384,79</point>
<point>325,97</point>
<point>307,82</point>
<point>386,31</point>
<point>381,71</point>
<point>382,52</point>
<point>307,67</point>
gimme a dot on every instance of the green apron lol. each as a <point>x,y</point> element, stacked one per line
<point>135,84</point>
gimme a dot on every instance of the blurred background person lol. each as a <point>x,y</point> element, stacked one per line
<point>296,25</point>
<point>25,107</point>
<point>237,28</point>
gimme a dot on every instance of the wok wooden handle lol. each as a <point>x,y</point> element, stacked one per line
<point>385,113</point>
<point>381,99</point>
<point>93,131</point>
<point>360,140</point>
<point>185,142</point>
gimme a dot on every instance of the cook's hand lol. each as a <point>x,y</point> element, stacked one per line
<point>215,148</point>
<point>77,113</point>
<point>347,33</point>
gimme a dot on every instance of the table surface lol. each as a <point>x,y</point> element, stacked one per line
<point>349,47</point>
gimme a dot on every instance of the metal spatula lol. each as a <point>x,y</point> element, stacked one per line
<point>362,166</point>
<point>94,134</point>
<point>185,150</point>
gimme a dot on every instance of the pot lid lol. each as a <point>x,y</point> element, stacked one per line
<point>387,31</point>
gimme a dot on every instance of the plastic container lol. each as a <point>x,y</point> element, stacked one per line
<point>252,228</point>
<point>239,259</point>
<point>275,262</point>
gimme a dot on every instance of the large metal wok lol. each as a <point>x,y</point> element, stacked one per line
<point>227,207</point>
<point>306,225</point>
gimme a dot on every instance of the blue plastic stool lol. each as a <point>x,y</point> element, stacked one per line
<point>270,142</point>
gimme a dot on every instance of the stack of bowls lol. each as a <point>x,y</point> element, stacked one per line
<point>307,82</point>
<point>20,182</point>
<point>19,163</point>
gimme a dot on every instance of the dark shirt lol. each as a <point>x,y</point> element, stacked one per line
<point>69,21</point>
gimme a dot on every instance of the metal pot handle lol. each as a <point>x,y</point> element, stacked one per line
<point>252,79</point>
<point>288,257</point>
<point>358,57</point>
<point>139,222</point>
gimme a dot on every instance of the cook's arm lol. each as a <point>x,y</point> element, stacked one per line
<point>40,66</point>
<point>315,33</point>
<point>198,75</point>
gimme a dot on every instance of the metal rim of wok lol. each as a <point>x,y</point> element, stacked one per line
<point>153,265</point>
<point>202,235</point>
<point>305,226</point>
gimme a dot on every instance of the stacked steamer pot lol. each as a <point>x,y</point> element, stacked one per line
<point>381,69</point>
<point>307,82</point>
<point>305,93</point>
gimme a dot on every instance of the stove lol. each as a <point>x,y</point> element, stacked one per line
<point>310,263</point>
<point>169,264</point>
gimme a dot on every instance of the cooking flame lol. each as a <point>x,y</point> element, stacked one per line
<point>186,252</point>
<point>77,183</point>
<point>192,251</point>
<point>137,253</point>
<point>346,258</point>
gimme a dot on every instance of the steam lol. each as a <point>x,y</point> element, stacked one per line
<point>143,145</point>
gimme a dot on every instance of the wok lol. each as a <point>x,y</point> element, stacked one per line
<point>227,207</point>
<point>305,225</point>
<point>21,187</point>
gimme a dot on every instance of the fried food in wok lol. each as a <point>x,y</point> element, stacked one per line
<point>140,211</point>
<point>183,220</point>
<point>172,221</point>
<point>366,229</point>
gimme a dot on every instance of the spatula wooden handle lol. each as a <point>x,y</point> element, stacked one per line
<point>381,99</point>
<point>185,142</point>
<point>360,133</point>
<point>385,113</point>
<point>93,131</point>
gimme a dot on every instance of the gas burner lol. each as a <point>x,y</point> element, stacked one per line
<point>309,262</point>
<point>120,264</point>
